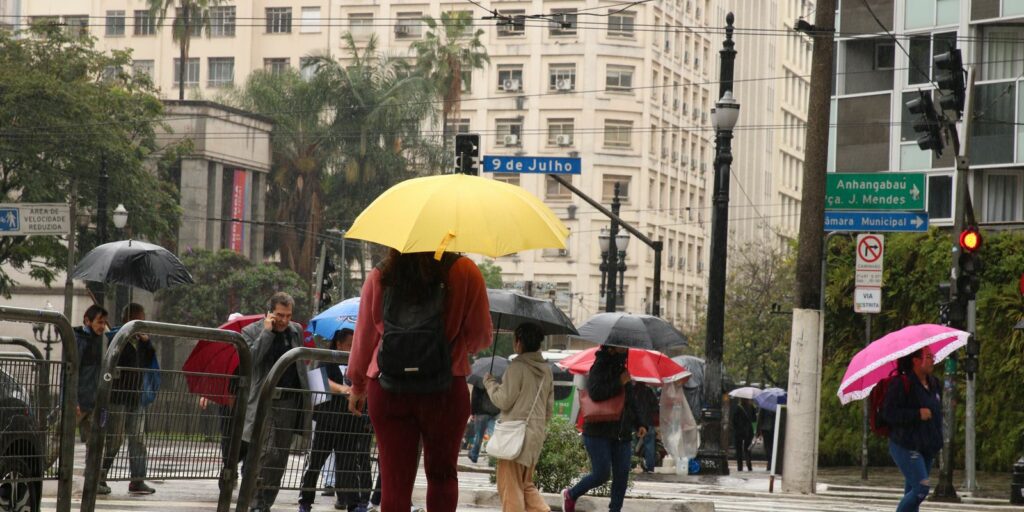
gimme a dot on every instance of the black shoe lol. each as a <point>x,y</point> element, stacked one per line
<point>328,492</point>
<point>103,489</point>
<point>140,487</point>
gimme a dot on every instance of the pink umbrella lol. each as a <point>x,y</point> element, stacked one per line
<point>644,365</point>
<point>878,360</point>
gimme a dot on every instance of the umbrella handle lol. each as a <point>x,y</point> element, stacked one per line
<point>494,346</point>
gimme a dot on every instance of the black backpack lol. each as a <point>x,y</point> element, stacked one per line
<point>414,354</point>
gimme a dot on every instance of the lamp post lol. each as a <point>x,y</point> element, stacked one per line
<point>603,242</point>
<point>712,455</point>
<point>621,243</point>
<point>610,255</point>
<point>120,221</point>
<point>45,333</point>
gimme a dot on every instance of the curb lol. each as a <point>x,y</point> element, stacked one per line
<point>490,499</point>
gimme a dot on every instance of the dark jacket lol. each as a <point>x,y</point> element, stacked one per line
<point>603,383</point>
<point>136,356</point>
<point>741,418</point>
<point>89,352</point>
<point>480,403</point>
<point>765,420</point>
<point>902,411</point>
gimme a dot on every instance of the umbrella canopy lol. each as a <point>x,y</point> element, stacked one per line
<point>696,366</point>
<point>335,318</point>
<point>745,392</point>
<point>770,398</point>
<point>510,308</point>
<point>133,263</point>
<point>878,360</point>
<point>495,365</point>
<point>459,213</point>
<point>647,366</point>
<point>632,331</point>
<point>215,359</point>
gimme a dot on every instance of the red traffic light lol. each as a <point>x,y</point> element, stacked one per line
<point>970,239</point>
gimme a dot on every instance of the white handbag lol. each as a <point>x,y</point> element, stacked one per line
<point>509,436</point>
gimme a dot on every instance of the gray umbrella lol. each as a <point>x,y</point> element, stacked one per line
<point>694,386</point>
<point>509,309</point>
<point>495,365</point>
<point>133,263</point>
<point>632,331</point>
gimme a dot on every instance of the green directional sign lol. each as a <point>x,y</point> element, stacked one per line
<point>875,191</point>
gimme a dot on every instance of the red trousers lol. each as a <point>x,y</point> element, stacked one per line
<point>402,421</point>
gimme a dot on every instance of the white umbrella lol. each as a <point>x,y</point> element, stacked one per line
<point>745,392</point>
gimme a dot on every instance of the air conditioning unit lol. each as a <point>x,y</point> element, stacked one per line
<point>511,84</point>
<point>563,140</point>
<point>401,30</point>
<point>563,253</point>
<point>564,85</point>
<point>512,140</point>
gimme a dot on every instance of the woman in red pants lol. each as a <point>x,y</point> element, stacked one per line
<point>419,319</point>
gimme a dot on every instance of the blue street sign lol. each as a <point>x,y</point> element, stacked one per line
<point>10,219</point>
<point>875,221</point>
<point>532,164</point>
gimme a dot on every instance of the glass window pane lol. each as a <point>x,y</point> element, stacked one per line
<point>948,12</point>
<point>913,158</point>
<point>992,130</point>
<point>1001,197</point>
<point>862,138</point>
<point>1002,53</point>
<point>1020,129</point>
<point>1012,7</point>
<point>920,60</point>
<point>920,13</point>
<point>940,197</point>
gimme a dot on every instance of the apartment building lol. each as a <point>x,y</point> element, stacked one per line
<point>629,91</point>
<point>876,75</point>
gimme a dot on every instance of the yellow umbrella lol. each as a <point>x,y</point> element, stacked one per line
<point>459,213</point>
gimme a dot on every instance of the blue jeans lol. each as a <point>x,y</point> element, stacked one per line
<point>649,451</point>
<point>607,456</point>
<point>915,467</point>
<point>481,424</point>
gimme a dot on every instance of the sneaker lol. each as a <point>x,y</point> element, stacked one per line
<point>140,487</point>
<point>568,504</point>
<point>305,507</point>
<point>103,489</point>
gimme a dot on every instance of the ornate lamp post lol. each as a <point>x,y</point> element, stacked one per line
<point>45,334</point>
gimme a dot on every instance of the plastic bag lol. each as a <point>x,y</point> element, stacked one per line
<point>679,430</point>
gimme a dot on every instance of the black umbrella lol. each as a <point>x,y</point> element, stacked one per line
<point>632,331</point>
<point>133,263</point>
<point>495,365</point>
<point>509,309</point>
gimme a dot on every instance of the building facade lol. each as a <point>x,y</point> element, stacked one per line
<point>628,91</point>
<point>877,74</point>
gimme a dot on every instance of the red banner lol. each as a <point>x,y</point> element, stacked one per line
<point>238,210</point>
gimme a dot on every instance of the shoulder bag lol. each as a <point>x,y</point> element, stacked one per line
<point>603,411</point>
<point>510,435</point>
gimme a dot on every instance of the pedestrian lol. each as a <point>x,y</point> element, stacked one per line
<point>419,320</point>
<point>913,411</point>
<point>268,341</point>
<point>766,430</point>
<point>89,339</point>
<point>484,414</point>
<point>741,419</point>
<point>649,442</point>
<point>126,415</point>
<point>609,443</point>
<point>526,393</point>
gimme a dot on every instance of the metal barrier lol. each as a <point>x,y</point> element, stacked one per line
<point>174,449</point>
<point>348,436</point>
<point>35,434</point>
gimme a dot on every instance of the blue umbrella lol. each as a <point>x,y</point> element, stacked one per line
<point>771,398</point>
<point>337,317</point>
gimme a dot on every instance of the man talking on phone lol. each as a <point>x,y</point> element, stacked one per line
<point>269,340</point>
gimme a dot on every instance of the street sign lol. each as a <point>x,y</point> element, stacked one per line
<point>868,278</point>
<point>20,219</point>
<point>876,221</point>
<point>532,164</point>
<point>867,300</point>
<point>870,249</point>
<point>875,191</point>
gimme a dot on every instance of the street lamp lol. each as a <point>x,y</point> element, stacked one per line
<point>621,242</point>
<point>604,241</point>
<point>45,333</point>
<point>711,455</point>
<point>120,217</point>
<point>611,261</point>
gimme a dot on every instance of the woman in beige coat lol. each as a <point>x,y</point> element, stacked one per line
<point>527,384</point>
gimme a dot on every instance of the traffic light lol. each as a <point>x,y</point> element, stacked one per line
<point>326,284</point>
<point>968,281</point>
<point>928,125</point>
<point>949,73</point>
<point>973,350</point>
<point>467,153</point>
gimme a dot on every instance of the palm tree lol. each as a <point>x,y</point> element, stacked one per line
<point>193,14</point>
<point>445,55</point>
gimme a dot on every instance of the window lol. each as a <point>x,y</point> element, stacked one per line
<point>360,25</point>
<point>191,71</point>
<point>195,21</point>
<point>555,190</point>
<point>410,25</point>
<point>885,56</point>
<point>516,26</point>
<point>307,68</point>
<point>466,81</point>
<point>310,20</point>
<point>562,77</point>
<point>1002,53</point>
<point>145,23</point>
<point>221,71</point>
<point>222,21</point>
<point>621,24</point>
<point>563,22</point>
<point>510,77</point>
<point>620,78</point>
<point>940,197</point>
<point>115,23</point>
<point>560,132</point>
<point>277,66</point>
<point>608,187</point>
<point>508,132</point>
<point>1002,200</point>
<point>992,141</point>
<point>511,178</point>
<point>456,126</point>
<point>279,20</point>
<point>618,134</point>
<point>76,26</point>
<point>143,67</point>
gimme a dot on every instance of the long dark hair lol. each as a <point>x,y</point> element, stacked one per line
<point>412,274</point>
<point>905,364</point>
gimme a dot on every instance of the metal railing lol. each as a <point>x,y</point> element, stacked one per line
<point>42,434</point>
<point>177,447</point>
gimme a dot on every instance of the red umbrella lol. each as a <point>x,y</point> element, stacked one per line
<point>644,365</point>
<point>210,361</point>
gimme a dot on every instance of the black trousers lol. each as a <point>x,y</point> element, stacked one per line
<point>743,451</point>
<point>348,437</point>
<point>769,439</point>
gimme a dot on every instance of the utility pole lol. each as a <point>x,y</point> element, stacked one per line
<point>101,222</point>
<point>69,284</point>
<point>181,62</point>
<point>865,411</point>
<point>801,452</point>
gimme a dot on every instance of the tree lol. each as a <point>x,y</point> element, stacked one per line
<point>192,18</point>
<point>66,111</point>
<point>492,274</point>
<point>227,282</point>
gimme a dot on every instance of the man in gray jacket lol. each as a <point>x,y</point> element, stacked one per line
<point>269,340</point>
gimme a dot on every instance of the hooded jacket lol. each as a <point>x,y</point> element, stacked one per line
<point>527,375</point>
<point>90,349</point>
